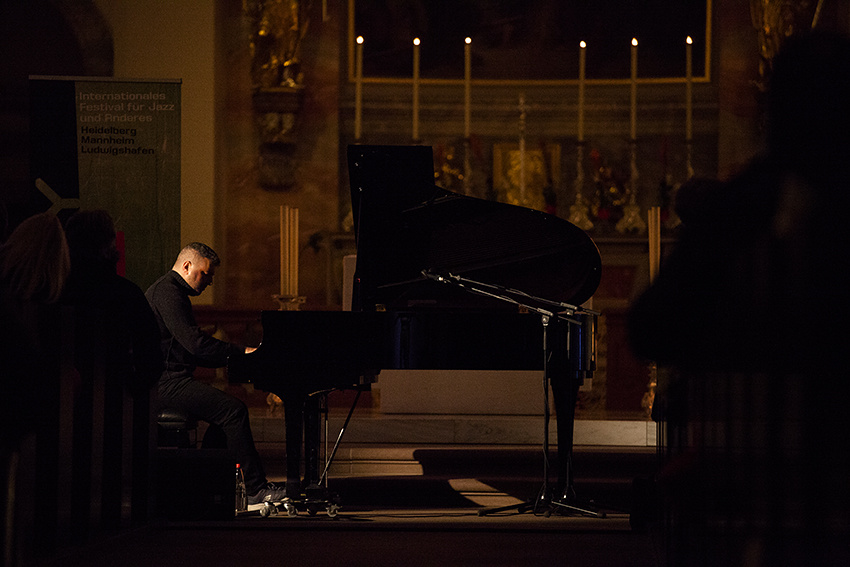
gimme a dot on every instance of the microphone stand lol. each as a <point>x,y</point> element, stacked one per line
<point>502,293</point>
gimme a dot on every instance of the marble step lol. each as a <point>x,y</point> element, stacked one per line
<point>409,445</point>
<point>421,429</point>
<point>602,464</point>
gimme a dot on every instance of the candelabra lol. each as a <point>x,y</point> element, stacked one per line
<point>579,209</point>
<point>632,222</point>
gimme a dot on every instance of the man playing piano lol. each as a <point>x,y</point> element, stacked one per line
<point>185,346</point>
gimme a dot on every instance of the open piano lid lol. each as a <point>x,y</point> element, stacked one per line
<point>404,225</point>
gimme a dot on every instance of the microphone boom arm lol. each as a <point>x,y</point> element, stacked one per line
<point>477,288</point>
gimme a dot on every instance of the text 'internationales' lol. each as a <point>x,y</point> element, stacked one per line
<point>122,107</point>
<point>122,96</point>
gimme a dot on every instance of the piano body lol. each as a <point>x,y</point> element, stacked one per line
<point>422,252</point>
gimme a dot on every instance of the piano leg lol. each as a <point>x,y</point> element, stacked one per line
<point>312,440</point>
<point>564,396</point>
<point>293,408</point>
<point>302,415</point>
<point>564,380</point>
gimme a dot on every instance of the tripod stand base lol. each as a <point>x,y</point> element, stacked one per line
<point>573,506</point>
<point>547,506</point>
<point>519,508</point>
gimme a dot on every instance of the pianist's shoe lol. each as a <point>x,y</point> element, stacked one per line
<point>271,492</point>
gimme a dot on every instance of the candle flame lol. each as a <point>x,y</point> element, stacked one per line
<point>689,40</point>
<point>360,39</point>
<point>468,40</point>
<point>634,42</point>
<point>415,41</point>
<point>582,44</point>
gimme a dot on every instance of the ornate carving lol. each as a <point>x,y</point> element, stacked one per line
<point>777,20</point>
<point>277,28</point>
<point>276,117</point>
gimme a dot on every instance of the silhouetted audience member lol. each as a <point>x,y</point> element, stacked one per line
<point>116,353</point>
<point>757,280</point>
<point>132,351</point>
<point>34,265</point>
<point>750,312</point>
<point>4,222</point>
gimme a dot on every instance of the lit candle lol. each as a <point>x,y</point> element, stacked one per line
<point>358,89</point>
<point>416,89</point>
<point>633,129</point>
<point>467,86</point>
<point>581,66</point>
<point>689,79</point>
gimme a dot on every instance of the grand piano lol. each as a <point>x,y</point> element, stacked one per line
<point>442,281</point>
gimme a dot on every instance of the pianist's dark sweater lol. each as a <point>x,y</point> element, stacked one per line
<point>184,345</point>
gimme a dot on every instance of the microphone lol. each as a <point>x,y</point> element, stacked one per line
<point>448,278</point>
<point>432,276</point>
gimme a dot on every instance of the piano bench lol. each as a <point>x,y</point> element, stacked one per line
<point>176,429</point>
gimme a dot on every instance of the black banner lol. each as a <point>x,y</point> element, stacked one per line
<point>115,145</point>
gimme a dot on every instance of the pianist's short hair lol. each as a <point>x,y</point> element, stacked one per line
<point>203,251</point>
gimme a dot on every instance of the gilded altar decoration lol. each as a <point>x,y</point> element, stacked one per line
<point>275,127</point>
<point>777,20</point>
<point>524,177</point>
<point>277,29</point>
<point>447,174</point>
<point>610,193</point>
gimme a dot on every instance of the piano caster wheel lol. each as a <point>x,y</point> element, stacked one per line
<point>333,510</point>
<point>268,509</point>
<point>290,508</point>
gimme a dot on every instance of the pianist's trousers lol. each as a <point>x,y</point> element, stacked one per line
<point>216,407</point>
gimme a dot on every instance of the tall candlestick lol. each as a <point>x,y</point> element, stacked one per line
<point>358,89</point>
<point>288,220</point>
<point>581,68</point>
<point>416,89</point>
<point>467,86</point>
<point>654,222</point>
<point>284,248</point>
<point>689,79</point>
<point>293,251</point>
<point>633,123</point>
<point>522,117</point>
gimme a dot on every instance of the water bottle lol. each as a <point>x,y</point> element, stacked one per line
<point>241,494</point>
